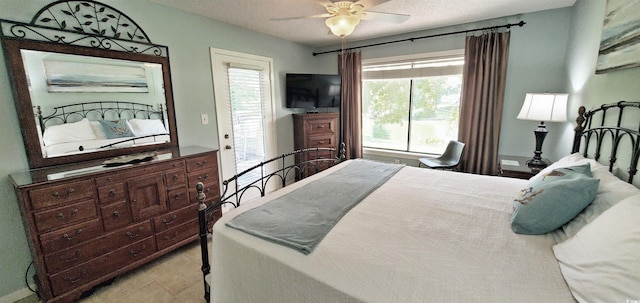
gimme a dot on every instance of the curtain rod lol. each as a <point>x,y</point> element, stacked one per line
<point>520,24</point>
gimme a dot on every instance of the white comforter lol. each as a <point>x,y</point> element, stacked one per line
<point>424,236</point>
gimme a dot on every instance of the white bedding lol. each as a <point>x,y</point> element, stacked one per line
<point>424,236</point>
<point>71,148</point>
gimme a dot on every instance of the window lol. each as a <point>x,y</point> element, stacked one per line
<point>246,94</point>
<point>411,104</point>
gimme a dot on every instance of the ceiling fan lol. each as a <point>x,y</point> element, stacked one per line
<point>343,16</point>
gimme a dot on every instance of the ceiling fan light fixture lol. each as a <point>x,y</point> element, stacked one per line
<point>342,25</point>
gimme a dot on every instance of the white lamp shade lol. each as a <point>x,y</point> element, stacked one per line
<point>544,107</point>
<point>342,25</point>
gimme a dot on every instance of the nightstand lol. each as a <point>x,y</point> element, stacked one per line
<point>516,167</point>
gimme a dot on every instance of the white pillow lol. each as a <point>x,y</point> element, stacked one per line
<point>69,132</point>
<point>611,191</point>
<point>570,160</point>
<point>144,127</point>
<point>601,263</point>
<point>98,130</point>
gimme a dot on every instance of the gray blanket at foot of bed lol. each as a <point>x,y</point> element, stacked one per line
<point>301,218</point>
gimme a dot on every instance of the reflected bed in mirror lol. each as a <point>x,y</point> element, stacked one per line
<point>78,103</point>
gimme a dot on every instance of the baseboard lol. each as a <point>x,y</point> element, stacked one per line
<point>17,295</point>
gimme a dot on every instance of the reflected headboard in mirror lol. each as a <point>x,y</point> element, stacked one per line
<point>88,84</point>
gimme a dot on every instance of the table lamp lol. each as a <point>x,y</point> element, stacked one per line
<point>543,107</point>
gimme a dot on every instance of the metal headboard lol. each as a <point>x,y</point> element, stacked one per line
<point>103,109</point>
<point>596,127</point>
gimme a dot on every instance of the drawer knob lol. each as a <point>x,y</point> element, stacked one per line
<point>203,177</point>
<point>137,253</point>
<point>167,222</point>
<point>71,214</point>
<point>175,176</point>
<point>63,196</point>
<point>112,192</point>
<point>321,126</point>
<point>116,214</point>
<point>205,161</point>
<point>179,196</point>
<point>132,235</point>
<point>74,281</point>
<point>321,142</point>
<point>73,257</point>
<point>78,232</point>
<point>171,239</point>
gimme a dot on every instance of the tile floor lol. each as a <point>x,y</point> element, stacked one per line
<point>175,277</point>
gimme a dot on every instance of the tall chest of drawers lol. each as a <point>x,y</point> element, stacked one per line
<point>87,224</point>
<point>315,130</point>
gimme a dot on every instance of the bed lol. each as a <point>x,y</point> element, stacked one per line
<point>438,236</point>
<point>100,125</point>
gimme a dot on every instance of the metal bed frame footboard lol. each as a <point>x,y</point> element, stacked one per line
<point>292,166</point>
<point>602,128</point>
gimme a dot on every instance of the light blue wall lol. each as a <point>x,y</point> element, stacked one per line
<point>536,64</point>
<point>189,38</point>
<point>584,86</point>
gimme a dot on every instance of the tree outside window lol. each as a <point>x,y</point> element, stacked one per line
<point>411,114</point>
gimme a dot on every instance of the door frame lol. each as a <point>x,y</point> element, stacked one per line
<point>222,112</point>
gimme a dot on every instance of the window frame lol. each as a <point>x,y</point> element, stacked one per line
<point>399,60</point>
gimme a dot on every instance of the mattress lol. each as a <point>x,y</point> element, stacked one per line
<point>423,236</point>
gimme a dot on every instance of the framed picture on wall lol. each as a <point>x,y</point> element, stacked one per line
<point>620,41</point>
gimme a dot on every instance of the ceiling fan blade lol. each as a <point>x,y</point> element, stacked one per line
<point>368,4</point>
<point>325,15</point>
<point>384,17</point>
<point>324,3</point>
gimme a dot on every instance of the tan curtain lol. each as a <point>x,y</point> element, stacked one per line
<point>484,75</point>
<point>350,67</point>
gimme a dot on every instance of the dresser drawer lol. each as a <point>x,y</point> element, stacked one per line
<point>320,126</point>
<point>175,218</point>
<point>176,235</point>
<point>178,198</point>
<point>58,217</point>
<point>71,257</point>
<point>323,140</point>
<point>70,236</point>
<point>130,234</point>
<point>84,273</point>
<point>208,176</point>
<point>60,194</point>
<point>115,215</point>
<point>175,177</point>
<point>201,162</point>
<point>112,193</point>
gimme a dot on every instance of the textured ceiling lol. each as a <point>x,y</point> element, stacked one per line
<point>256,15</point>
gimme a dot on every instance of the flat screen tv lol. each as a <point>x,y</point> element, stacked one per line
<point>311,91</point>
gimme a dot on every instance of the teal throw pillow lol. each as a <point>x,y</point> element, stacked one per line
<point>116,129</point>
<point>553,200</point>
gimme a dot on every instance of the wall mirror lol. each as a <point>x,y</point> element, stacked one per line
<point>77,97</point>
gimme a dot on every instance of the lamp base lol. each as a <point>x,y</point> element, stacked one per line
<point>537,163</point>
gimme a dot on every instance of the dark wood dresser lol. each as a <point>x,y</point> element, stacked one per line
<point>315,130</point>
<point>87,224</point>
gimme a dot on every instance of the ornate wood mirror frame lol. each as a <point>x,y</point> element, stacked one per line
<point>87,30</point>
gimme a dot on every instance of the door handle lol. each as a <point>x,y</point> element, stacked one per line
<point>227,147</point>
